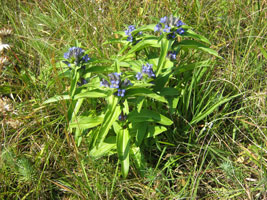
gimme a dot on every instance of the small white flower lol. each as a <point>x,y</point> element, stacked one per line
<point>3,60</point>
<point>5,31</point>
<point>4,46</point>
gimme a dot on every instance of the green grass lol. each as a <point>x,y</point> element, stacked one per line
<point>196,161</point>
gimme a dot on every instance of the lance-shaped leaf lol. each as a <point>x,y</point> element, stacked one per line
<point>153,131</point>
<point>92,94</point>
<point>149,27</point>
<point>98,69</point>
<point>145,92</point>
<point>123,148</point>
<point>147,42</point>
<point>85,122</point>
<point>141,130</point>
<point>192,34</point>
<point>138,158</point>
<point>165,45</point>
<point>191,44</point>
<point>106,148</point>
<point>148,116</point>
<point>111,116</point>
<point>169,91</point>
<point>57,98</point>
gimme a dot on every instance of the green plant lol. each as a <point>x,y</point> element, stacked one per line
<point>146,81</point>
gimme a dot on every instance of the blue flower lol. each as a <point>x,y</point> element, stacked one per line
<point>129,31</point>
<point>120,93</point>
<point>104,83</point>
<point>130,39</point>
<point>131,28</point>
<point>139,76</point>
<point>171,35</point>
<point>126,83</point>
<point>86,58</point>
<point>163,20</point>
<point>180,23</point>
<point>115,82</point>
<point>114,79</point>
<point>167,29</point>
<point>180,31</point>
<point>147,69</point>
<point>75,55</point>
<point>157,27</point>
<point>172,55</point>
<point>74,52</point>
<point>169,25</point>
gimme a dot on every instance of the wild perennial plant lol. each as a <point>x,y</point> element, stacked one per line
<point>130,95</point>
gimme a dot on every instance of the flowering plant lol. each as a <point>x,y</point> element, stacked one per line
<point>133,94</point>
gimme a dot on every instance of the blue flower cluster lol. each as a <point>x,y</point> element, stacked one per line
<point>76,55</point>
<point>146,69</point>
<point>169,23</point>
<point>115,82</point>
<point>129,31</point>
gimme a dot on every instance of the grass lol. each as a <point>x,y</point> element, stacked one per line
<point>222,156</point>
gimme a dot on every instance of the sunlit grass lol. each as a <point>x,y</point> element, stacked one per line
<point>220,157</point>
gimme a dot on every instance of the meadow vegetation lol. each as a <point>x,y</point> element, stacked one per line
<point>219,156</point>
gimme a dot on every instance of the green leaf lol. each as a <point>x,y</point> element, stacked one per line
<point>169,92</point>
<point>98,69</point>
<point>134,64</point>
<point>139,159</point>
<point>57,98</point>
<point>107,147</point>
<point>119,40</point>
<point>140,132</point>
<point>65,74</point>
<point>123,148</point>
<point>92,94</point>
<point>111,116</point>
<point>148,116</point>
<point>149,27</point>
<point>191,44</point>
<point>147,42</point>
<point>144,92</point>
<point>122,33</point>
<point>192,34</point>
<point>165,45</point>
<point>77,137</point>
<point>85,122</point>
<point>153,131</point>
<point>74,80</point>
<point>77,108</point>
<point>162,80</point>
